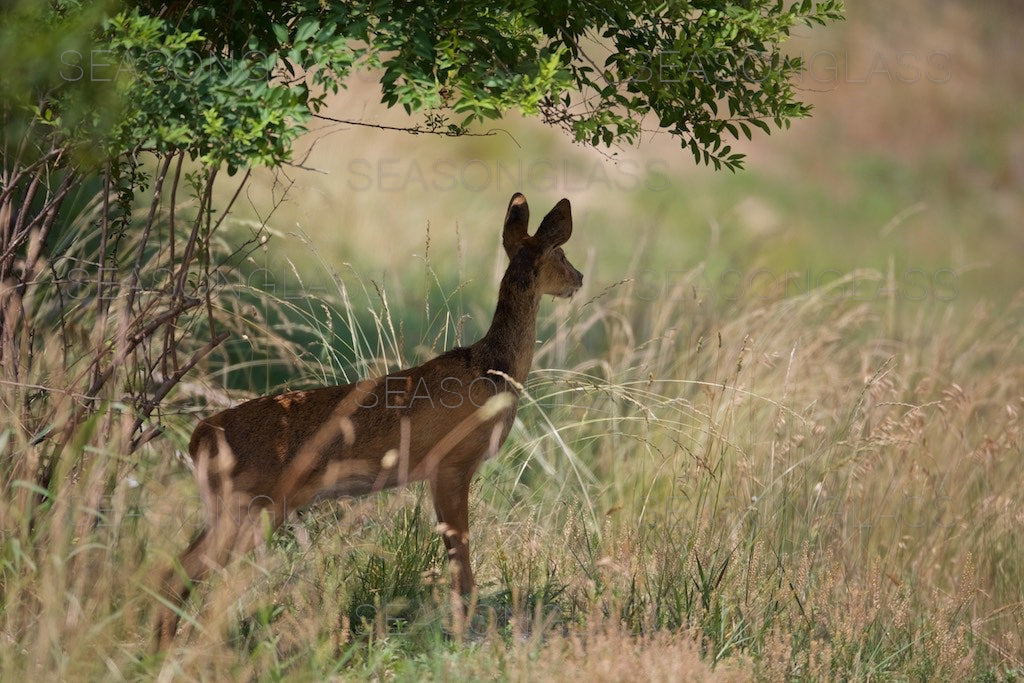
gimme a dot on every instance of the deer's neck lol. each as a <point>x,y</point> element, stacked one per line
<point>508,344</point>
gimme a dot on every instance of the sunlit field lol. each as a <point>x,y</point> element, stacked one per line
<point>777,435</point>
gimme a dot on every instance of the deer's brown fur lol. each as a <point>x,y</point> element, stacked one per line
<point>433,422</point>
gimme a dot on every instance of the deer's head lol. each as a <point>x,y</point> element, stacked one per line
<point>543,249</point>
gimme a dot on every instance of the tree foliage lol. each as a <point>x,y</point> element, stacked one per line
<point>236,82</point>
<point>118,116</point>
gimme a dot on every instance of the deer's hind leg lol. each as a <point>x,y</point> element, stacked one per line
<point>232,532</point>
<point>177,584</point>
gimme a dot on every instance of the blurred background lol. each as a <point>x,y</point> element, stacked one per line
<point>782,416</point>
<point>912,164</point>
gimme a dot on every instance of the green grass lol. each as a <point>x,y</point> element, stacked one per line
<point>805,485</point>
<point>710,477</point>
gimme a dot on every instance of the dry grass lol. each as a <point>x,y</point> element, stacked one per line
<point>810,486</point>
<point>814,484</point>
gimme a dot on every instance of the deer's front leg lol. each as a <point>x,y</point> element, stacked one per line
<point>450,490</point>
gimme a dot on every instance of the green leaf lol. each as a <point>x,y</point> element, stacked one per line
<point>306,29</point>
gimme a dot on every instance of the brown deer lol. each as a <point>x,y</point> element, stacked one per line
<point>435,422</point>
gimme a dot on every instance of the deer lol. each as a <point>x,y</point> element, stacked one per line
<point>436,422</point>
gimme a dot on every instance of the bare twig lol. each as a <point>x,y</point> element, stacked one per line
<point>450,132</point>
<point>169,383</point>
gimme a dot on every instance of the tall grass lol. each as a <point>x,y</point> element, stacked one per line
<point>786,485</point>
<point>812,482</point>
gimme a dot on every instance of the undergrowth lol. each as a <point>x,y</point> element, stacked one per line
<point>809,486</point>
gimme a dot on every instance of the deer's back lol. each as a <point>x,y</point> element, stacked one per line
<point>354,427</point>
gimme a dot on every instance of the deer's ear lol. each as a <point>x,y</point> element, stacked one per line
<point>517,219</point>
<point>556,228</point>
